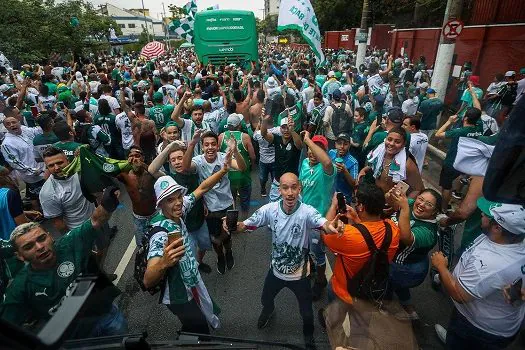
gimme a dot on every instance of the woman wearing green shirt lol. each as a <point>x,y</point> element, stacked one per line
<point>418,235</point>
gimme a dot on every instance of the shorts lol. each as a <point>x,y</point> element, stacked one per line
<point>447,176</point>
<point>33,189</point>
<point>214,221</point>
<point>141,226</point>
<point>317,248</point>
<point>200,239</point>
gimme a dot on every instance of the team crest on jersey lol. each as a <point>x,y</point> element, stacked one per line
<point>108,167</point>
<point>66,269</point>
<point>296,231</point>
<point>164,185</point>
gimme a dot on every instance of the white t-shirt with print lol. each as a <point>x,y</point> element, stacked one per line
<point>290,236</point>
<point>418,148</point>
<point>124,125</point>
<point>171,91</point>
<point>483,270</point>
<point>112,101</point>
<point>220,196</point>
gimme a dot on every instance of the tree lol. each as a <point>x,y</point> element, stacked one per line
<point>176,12</point>
<point>30,30</point>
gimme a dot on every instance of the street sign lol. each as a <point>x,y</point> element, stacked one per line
<point>283,40</point>
<point>362,37</point>
<point>344,37</point>
<point>453,28</point>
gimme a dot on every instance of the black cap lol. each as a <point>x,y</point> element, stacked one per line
<point>343,136</point>
<point>395,115</point>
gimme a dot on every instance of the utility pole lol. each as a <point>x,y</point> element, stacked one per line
<point>145,21</point>
<point>363,34</point>
<point>165,26</point>
<point>445,52</point>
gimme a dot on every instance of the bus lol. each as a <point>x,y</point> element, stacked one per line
<point>226,36</point>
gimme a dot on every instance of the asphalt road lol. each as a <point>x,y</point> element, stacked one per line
<point>238,291</point>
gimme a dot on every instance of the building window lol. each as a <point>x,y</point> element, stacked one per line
<point>131,25</point>
<point>122,25</point>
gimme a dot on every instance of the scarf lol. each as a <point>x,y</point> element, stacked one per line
<point>397,169</point>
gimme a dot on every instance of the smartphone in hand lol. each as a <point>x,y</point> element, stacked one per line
<point>515,290</point>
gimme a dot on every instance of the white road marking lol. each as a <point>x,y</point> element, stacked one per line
<point>125,260</point>
<point>328,270</point>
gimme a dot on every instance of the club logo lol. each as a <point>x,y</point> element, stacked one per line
<point>164,185</point>
<point>108,167</point>
<point>66,269</point>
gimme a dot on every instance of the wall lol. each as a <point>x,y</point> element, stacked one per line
<point>380,38</point>
<point>496,11</point>
<point>491,49</point>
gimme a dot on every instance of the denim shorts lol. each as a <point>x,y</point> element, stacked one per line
<point>141,225</point>
<point>200,239</point>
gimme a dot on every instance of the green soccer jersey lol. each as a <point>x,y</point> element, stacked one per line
<point>43,141</point>
<point>359,133</point>
<point>237,178</point>
<point>317,186</point>
<point>223,126</point>
<point>39,292</point>
<point>109,126</point>
<point>68,147</point>
<point>161,115</point>
<point>430,110</point>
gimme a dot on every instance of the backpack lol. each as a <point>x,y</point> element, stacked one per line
<point>341,121</point>
<point>370,283</point>
<point>274,106</point>
<point>141,263</point>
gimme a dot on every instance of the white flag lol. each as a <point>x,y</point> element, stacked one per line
<point>300,15</point>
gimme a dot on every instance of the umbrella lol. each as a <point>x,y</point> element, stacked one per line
<point>153,49</point>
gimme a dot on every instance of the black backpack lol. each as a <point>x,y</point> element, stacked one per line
<point>409,76</point>
<point>141,262</point>
<point>341,120</point>
<point>370,283</point>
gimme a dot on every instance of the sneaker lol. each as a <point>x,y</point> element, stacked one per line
<point>204,268</point>
<point>320,317</point>
<point>111,276</point>
<point>457,195</point>
<point>221,265</point>
<point>406,316</point>
<point>263,194</point>
<point>436,282</point>
<point>264,318</point>
<point>230,261</point>
<point>317,290</point>
<point>309,342</point>
<point>441,333</point>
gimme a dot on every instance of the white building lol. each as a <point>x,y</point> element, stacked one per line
<point>271,7</point>
<point>132,24</point>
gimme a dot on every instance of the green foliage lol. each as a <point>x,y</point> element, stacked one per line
<point>268,26</point>
<point>176,11</point>
<point>31,30</point>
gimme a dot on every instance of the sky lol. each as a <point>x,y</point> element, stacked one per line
<point>155,6</point>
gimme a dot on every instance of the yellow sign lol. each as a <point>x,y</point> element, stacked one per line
<point>283,40</point>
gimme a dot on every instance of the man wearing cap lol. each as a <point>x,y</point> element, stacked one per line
<point>184,293</point>
<point>240,181</point>
<point>520,91</point>
<point>287,151</point>
<point>482,319</point>
<point>317,176</point>
<point>346,165</point>
<point>409,106</point>
<point>430,110</point>
<point>338,118</point>
<point>331,85</point>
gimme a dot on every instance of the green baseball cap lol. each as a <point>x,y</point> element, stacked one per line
<point>158,96</point>
<point>522,70</point>
<point>485,205</point>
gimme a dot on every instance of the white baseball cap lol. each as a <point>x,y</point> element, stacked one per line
<point>234,119</point>
<point>509,216</point>
<point>510,73</point>
<point>331,74</point>
<point>165,186</point>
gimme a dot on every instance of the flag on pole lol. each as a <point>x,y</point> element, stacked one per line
<point>183,27</point>
<point>299,15</point>
<point>190,9</point>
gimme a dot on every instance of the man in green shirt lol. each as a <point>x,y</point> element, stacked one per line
<point>47,138</point>
<point>430,110</point>
<point>470,128</point>
<point>52,266</point>
<point>65,141</point>
<point>317,175</point>
<point>160,113</point>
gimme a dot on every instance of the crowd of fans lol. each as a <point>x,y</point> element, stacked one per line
<point>342,147</point>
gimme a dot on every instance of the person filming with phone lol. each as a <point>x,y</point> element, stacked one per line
<point>483,317</point>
